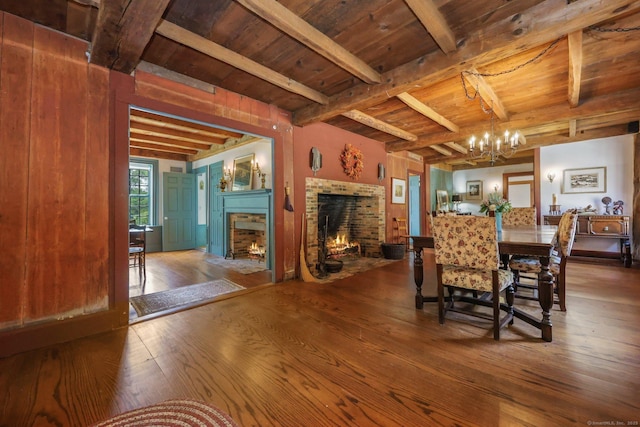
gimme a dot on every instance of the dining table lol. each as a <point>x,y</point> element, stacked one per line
<point>527,240</point>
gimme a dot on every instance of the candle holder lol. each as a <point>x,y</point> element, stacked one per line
<point>225,180</point>
<point>261,175</point>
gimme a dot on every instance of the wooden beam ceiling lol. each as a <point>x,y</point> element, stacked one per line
<point>542,23</point>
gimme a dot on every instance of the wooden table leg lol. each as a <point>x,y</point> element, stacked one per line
<point>545,297</point>
<point>418,275</point>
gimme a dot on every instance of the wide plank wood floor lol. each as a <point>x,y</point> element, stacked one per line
<point>171,270</point>
<point>353,352</point>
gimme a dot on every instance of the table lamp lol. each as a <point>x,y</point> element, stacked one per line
<point>456,199</point>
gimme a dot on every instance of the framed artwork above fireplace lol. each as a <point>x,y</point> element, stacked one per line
<point>243,173</point>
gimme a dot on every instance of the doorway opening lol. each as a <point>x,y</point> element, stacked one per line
<point>175,194</point>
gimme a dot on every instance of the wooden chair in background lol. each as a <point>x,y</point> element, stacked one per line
<point>138,248</point>
<point>557,263</point>
<point>402,232</point>
<point>520,216</point>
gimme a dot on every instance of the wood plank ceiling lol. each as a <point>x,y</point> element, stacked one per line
<point>160,136</point>
<point>417,75</point>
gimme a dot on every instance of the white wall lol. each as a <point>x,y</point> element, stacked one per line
<point>616,154</point>
<point>490,177</point>
<point>263,155</point>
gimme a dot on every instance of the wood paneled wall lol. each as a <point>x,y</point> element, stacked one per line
<point>63,168</point>
<point>54,190</point>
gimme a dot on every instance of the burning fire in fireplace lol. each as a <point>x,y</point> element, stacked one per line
<point>256,251</point>
<point>340,246</point>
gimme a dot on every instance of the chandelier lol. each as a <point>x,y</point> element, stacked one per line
<point>492,146</point>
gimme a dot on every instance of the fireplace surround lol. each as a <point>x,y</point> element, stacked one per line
<point>366,210</point>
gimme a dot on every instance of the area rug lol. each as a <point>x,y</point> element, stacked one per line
<point>241,265</point>
<point>161,301</point>
<point>172,413</point>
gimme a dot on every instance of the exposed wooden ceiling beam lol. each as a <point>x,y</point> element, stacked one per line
<point>575,67</point>
<point>619,101</point>
<point>176,134</point>
<point>161,138</point>
<point>374,123</point>
<point>157,155</point>
<point>441,150</point>
<point>573,127</point>
<point>433,21</point>
<point>491,100</point>
<point>221,53</point>
<point>122,32</point>
<point>607,132</point>
<point>139,116</point>
<point>137,143</point>
<point>459,148</point>
<point>291,24</point>
<point>426,111</point>
<point>542,23</point>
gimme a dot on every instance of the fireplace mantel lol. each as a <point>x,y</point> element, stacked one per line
<point>253,202</point>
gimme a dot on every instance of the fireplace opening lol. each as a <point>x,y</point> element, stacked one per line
<point>247,236</point>
<point>346,223</point>
<point>359,217</point>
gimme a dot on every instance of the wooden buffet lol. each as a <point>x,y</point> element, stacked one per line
<point>601,227</point>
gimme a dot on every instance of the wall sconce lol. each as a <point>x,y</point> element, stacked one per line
<point>261,175</point>
<point>225,179</point>
<point>551,176</point>
<point>315,160</point>
<point>496,188</point>
<point>380,172</point>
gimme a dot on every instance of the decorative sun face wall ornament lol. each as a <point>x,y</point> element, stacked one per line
<point>352,161</point>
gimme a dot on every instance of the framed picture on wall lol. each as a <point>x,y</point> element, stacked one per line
<point>398,190</point>
<point>443,200</point>
<point>243,173</point>
<point>586,180</point>
<point>474,190</point>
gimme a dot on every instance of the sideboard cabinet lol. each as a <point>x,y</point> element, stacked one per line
<point>601,227</point>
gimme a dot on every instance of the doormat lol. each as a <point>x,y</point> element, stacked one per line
<point>241,265</point>
<point>201,292</point>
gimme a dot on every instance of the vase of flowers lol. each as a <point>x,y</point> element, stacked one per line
<point>497,204</point>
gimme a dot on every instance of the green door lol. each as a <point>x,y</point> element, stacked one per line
<point>216,244</point>
<point>179,208</point>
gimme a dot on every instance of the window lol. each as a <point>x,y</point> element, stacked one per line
<point>142,183</point>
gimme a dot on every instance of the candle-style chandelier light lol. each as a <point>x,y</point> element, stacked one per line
<point>492,146</point>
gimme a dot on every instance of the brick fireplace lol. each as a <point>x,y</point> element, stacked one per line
<point>353,209</point>
<point>246,230</point>
<point>246,219</point>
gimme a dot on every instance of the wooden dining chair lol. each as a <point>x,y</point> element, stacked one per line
<point>520,216</point>
<point>402,231</point>
<point>467,264</point>
<point>563,243</point>
<point>138,249</point>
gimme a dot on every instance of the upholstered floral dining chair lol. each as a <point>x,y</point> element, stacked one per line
<point>519,216</point>
<point>563,243</point>
<point>467,262</point>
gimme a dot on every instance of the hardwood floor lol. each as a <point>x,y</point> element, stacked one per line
<point>170,270</point>
<point>177,269</point>
<point>352,352</point>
